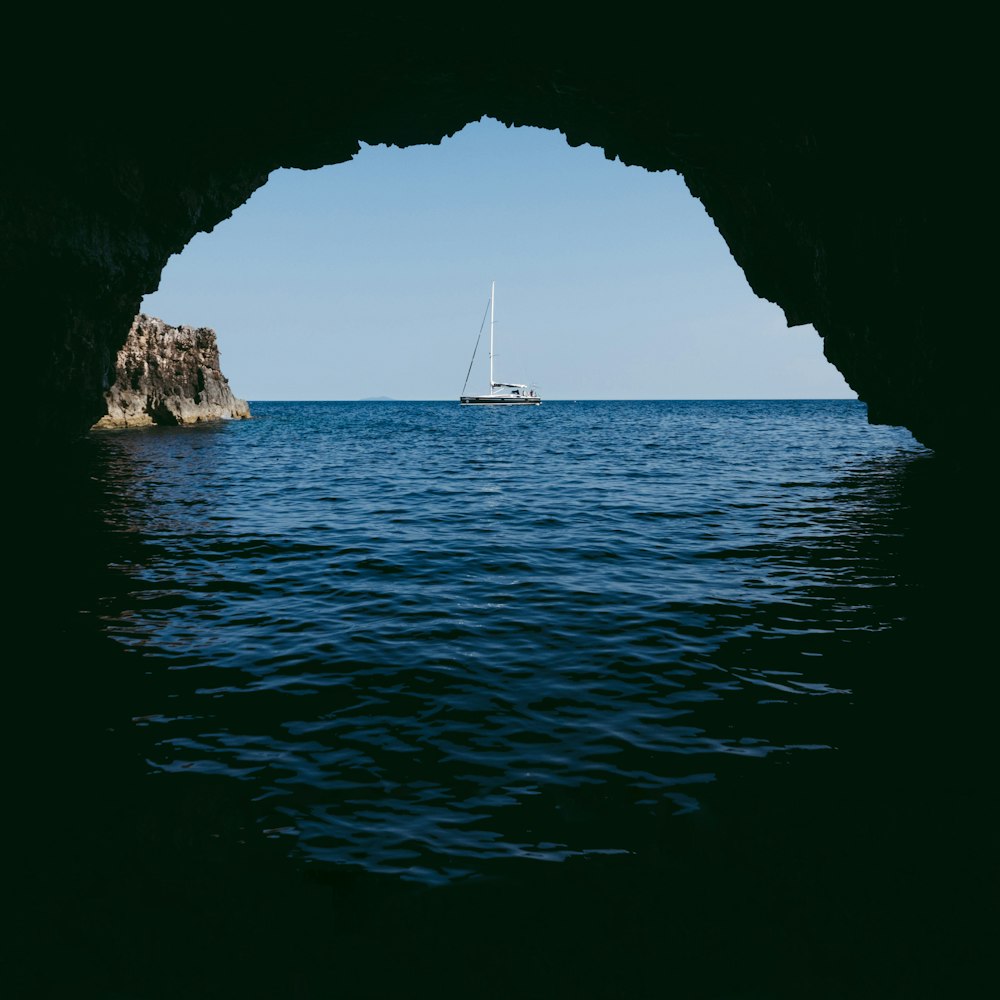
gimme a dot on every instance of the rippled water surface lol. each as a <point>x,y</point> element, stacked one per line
<point>435,640</point>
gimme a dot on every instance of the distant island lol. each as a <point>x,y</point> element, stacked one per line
<point>169,375</point>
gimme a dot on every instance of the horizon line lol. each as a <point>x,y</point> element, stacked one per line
<point>583,399</point>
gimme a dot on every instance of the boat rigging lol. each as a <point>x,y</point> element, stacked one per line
<point>517,394</point>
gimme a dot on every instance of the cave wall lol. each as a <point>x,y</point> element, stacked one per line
<point>817,181</point>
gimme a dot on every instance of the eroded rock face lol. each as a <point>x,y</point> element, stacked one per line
<point>169,375</point>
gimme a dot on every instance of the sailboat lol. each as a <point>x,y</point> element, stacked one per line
<point>501,393</point>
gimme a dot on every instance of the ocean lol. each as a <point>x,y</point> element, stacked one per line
<point>596,698</point>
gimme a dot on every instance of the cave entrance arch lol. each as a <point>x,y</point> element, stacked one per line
<point>363,280</point>
<point>811,186</point>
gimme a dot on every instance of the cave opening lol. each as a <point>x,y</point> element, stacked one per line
<point>366,279</point>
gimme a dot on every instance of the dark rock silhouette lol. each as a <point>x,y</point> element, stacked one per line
<point>838,175</point>
<point>169,375</point>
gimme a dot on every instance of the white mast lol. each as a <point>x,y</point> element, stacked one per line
<point>493,286</point>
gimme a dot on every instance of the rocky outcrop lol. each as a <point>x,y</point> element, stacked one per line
<point>169,375</point>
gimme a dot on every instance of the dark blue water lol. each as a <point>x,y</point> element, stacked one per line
<point>600,699</point>
<point>436,639</point>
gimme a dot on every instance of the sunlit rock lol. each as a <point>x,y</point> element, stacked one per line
<point>169,375</point>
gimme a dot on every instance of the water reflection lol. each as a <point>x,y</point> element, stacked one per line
<point>781,732</point>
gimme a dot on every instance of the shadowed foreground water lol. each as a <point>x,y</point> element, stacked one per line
<point>601,699</point>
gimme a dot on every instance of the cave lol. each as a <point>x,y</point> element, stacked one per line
<point>818,180</point>
<point>836,162</point>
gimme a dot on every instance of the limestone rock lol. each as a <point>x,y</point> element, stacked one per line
<point>169,375</point>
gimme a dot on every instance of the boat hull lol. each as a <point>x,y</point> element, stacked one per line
<point>500,400</point>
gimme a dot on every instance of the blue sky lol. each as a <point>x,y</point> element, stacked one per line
<point>370,278</point>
